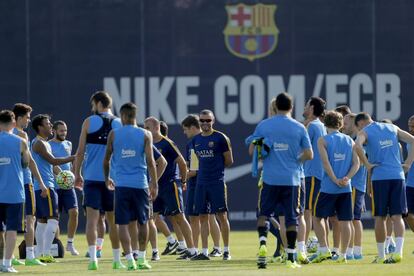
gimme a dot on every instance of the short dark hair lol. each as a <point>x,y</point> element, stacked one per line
<point>6,116</point>
<point>103,97</point>
<point>362,116</point>
<point>163,128</point>
<point>386,121</point>
<point>206,112</point>
<point>284,102</point>
<point>37,121</point>
<point>333,119</point>
<point>58,123</point>
<point>318,106</point>
<point>129,110</point>
<point>21,109</point>
<point>343,109</point>
<point>191,120</point>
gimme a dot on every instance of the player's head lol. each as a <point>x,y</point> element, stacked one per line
<point>100,101</point>
<point>191,125</point>
<point>206,120</point>
<point>411,125</point>
<point>343,109</point>
<point>272,108</point>
<point>41,125</point>
<point>7,120</point>
<point>164,128</point>
<point>22,114</point>
<point>284,102</point>
<point>315,107</point>
<point>333,120</point>
<point>60,130</point>
<point>153,125</point>
<point>362,120</point>
<point>128,113</point>
<point>349,124</point>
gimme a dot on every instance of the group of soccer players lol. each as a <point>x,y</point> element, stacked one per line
<point>316,174</point>
<point>130,176</point>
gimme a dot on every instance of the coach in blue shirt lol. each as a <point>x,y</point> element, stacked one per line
<point>282,172</point>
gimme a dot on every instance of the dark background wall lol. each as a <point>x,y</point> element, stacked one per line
<point>170,57</point>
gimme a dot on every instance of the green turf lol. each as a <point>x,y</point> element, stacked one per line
<point>244,246</point>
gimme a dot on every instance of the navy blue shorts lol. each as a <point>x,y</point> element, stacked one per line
<point>270,196</point>
<point>67,199</point>
<point>169,201</point>
<point>328,205</point>
<point>30,203</point>
<point>211,198</point>
<point>313,186</point>
<point>388,197</point>
<point>97,196</point>
<point>12,217</point>
<point>47,207</point>
<point>358,202</point>
<point>190,203</point>
<point>131,204</point>
<point>410,199</point>
<point>302,194</point>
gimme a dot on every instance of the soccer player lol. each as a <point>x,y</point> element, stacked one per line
<point>213,150</point>
<point>340,162</point>
<point>314,110</point>
<point>97,196</point>
<point>46,208</point>
<point>160,164</point>
<point>67,198</point>
<point>409,217</point>
<point>169,200</point>
<point>359,184</point>
<point>14,158</point>
<point>388,187</point>
<point>282,173</point>
<point>191,128</point>
<point>22,115</point>
<point>131,150</point>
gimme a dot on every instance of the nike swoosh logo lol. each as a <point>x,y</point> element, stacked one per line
<point>231,174</point>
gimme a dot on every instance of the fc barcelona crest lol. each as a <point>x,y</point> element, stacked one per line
<point>251,31</point>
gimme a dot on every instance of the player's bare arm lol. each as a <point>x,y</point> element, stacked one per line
<point>355,163</point>
<point>161,164</point>
<point>408,139</point>
<point>80,154</point>
<point>359,143</point>
<point>106,162</point>
<point>325,161</point>
<point>40,148</point>
<point>151,166</point>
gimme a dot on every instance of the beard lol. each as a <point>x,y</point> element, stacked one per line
<point>61,138</point>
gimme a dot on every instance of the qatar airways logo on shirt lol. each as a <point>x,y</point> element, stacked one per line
<point>280,147</point>
<point>386,143</point>
<point>128,153</point>
<point>205,153</point>
<point>5,161</point>
<point>339,156</point>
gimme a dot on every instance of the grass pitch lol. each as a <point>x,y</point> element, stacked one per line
<point>244,247</point>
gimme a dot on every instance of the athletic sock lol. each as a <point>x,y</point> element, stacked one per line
<point>92,253</point>
<point>381,250</point>
<point>99,243</point>
<point>50,232</point>
<point>357,250</point>
<point>170,239</point>
<point>335,249</point>
<point>387,241</point>
<point>7,262</point>
<point>350,251</point>
<point>181,244</point>
<point>291,241</point>
<point>141,255</point>
<point>117,254</point>
<point>226,249</point>
<point>399,243</point>
<point>40,238</point>
<point>262,230</point>
<point>204,251</point>
<point>30,253</point>
<point>302,247</point>
<point>129,256</point>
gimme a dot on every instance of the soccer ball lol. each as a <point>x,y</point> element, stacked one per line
<point>312,244</point>
<point>65,180</point>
